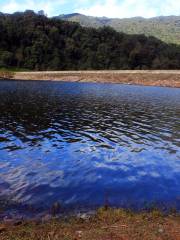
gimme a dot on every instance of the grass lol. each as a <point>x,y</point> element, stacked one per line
<point>14,69</point>
<point>106,224</point>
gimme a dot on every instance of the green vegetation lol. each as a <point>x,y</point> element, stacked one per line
<point>35,42</point>
<point>166,29</point>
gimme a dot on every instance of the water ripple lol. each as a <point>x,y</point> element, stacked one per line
<point>82,143</point>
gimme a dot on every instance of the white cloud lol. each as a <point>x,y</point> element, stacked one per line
<point>108,8</point>
<point>48,6</point>
<point>132,8</point>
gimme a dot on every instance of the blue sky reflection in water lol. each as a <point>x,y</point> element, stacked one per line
<point>81,143</point>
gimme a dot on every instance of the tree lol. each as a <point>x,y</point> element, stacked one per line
<point>33,41</point>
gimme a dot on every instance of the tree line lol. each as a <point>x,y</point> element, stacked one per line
<point>35,42</point>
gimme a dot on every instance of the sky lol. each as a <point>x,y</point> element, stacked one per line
<point>107,8</point>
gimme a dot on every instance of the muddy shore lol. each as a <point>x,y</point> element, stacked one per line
<point>165,78</point>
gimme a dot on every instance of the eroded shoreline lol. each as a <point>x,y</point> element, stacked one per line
<point>164,78</point>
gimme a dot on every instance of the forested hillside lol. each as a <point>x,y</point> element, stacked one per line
<point>36,42</point>
<point>166,29</point>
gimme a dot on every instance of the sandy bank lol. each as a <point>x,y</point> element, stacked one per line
<point>164,78</point>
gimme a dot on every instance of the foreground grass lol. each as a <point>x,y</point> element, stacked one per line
<point>112,224</point>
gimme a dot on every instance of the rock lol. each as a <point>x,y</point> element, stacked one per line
<point>160,230</point>
<point>84,216</point>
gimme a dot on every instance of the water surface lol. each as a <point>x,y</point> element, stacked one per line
<point>86,144</point>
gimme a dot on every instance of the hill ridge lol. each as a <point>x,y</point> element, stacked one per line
<point>33,41</point>
<point>165,28</point>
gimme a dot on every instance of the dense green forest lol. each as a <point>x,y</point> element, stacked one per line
<point>32,41</point>
<point>165,28</point>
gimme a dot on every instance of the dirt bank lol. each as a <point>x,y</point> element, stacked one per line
<point>105,225</point>
<point>149,78</point>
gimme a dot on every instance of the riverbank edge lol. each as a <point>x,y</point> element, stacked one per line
<point>163,78</point>
<point>104,224</point>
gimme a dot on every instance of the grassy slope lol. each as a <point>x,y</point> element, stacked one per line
<point>165,28</point>
<point>105,225</point>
